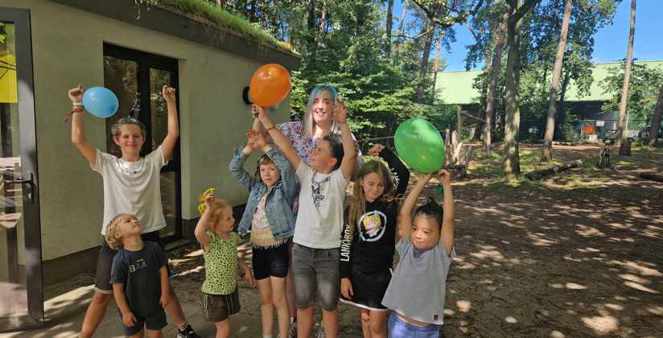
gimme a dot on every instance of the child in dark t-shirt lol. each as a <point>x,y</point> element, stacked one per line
<point>139,278</point>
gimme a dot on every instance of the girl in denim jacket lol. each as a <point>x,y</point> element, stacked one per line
<point>269,218</point>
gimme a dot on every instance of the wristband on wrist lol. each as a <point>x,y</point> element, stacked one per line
<point>77,104</point>
<point>271,128</point>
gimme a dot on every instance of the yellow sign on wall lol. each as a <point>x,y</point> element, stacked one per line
<point>8,79</point>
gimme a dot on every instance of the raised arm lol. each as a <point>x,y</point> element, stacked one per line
<point>405,215</point>
<point>279,139</point>
<point>447,236</point>
<point>77,129</point>
<point>236,165</point>
<point>201,228</point>
<point>349,161</point>
<point>168,144</point>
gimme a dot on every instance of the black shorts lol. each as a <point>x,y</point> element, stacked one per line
<point>105,263</point>
<point>271,262</point>
<point>217,308</point>
<point>368,289</point>
<point>155,321</point>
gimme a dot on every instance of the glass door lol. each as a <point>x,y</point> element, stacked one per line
<point>137,78</point>
<point>21,304</point>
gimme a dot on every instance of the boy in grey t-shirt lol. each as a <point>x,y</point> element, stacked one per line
<point>417,289</point>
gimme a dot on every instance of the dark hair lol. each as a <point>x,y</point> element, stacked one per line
<point>431,209</point>
<point>336,147</point>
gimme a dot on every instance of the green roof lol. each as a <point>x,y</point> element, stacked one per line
<point>456,87</point>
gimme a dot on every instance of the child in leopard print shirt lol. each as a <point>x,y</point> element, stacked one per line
<point>214,231</point>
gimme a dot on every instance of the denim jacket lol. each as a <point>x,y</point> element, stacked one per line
<point>278,206</point>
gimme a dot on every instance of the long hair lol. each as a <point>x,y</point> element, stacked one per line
<point>357,204</point>
<point>308,116</point>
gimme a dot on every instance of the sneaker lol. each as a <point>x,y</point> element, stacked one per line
<point>187,332</point>
<point>319,331</point>
<point>292,331</point>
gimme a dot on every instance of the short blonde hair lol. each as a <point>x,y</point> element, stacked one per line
<point>113,237</point>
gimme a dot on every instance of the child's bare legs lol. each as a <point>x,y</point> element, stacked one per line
<point>365,323</point>
<point>223,328</point>
<point>266,306</point>
<point>95,313</point>
<point>330,323</point>
<point>153,333</point>
<point>304,322</point>
<point>281,304</point>
<point>377,323</point>
<point>174,310</point>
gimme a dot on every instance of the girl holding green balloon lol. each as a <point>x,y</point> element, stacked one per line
<point>417,289</point>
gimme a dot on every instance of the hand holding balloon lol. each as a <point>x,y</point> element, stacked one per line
<point>76,95</point>
<point>168,94</point>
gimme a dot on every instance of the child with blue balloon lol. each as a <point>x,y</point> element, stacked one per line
<point>131,186</point>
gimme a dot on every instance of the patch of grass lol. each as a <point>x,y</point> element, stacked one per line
<point>223,19</point>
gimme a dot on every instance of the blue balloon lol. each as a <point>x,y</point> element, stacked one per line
<point>100,102</point>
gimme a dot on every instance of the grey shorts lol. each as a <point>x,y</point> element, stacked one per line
<point>218,308</point>
<point>316,273</point>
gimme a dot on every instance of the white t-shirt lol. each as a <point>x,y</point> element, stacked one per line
<point>133,188</point>
<point>320,215</point>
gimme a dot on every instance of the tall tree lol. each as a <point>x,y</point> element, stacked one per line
<point>517,10</point>
<point>623,113</point>
<point>388,26</point>
<point>555,83</point>
<point>656,120</point>
<point>494,73</point>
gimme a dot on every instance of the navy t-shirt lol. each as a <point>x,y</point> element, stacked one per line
<point>139,272</point>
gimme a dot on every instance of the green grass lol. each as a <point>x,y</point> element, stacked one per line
<point>222,19</point>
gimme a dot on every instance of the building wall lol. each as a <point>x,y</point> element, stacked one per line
<point>67,46</point>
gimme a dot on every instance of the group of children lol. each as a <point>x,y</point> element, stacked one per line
<point>299,221</point>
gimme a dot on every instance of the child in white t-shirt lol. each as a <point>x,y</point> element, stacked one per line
<point>131,186</point>
<point>317,238</point>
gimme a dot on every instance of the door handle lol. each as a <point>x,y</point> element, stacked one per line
<point>29,181</point>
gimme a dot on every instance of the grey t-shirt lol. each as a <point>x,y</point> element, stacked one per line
<point>418,285</point>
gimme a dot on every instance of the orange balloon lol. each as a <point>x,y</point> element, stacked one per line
<point>270,85</point>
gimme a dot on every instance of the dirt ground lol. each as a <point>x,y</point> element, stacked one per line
<point>576,255</point>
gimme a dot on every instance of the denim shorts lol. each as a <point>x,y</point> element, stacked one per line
<point>398,328</point>
<point>316,273</point>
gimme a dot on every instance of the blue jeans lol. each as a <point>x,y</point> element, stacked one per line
<point>401,329</point>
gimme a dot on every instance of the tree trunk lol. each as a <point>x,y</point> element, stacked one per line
<point>555,82</point>
<point>512,111</point>
<point>390,18</point>
<point>495,66</point>
<point>622,126</point>
<point>656,119</point>
<point>401,30</point>
<point>423,65</point>
<point>561,113</point>
<point>437,64</point>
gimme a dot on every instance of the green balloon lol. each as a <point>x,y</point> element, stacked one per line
<point>420,145</point>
